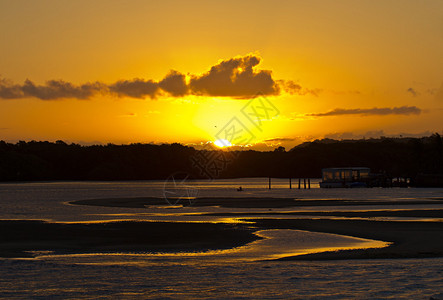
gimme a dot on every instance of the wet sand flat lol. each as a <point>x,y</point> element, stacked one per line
<point>19,238</point>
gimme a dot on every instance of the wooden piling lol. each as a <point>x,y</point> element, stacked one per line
<point>299,183</point>
<point>309,183</point>
<point>269,183</point>
<point>290,183</point>
<point>304,183</point>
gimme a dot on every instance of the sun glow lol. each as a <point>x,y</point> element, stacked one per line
<point>221,143</point>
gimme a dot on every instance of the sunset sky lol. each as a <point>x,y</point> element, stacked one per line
<point>180,71</point>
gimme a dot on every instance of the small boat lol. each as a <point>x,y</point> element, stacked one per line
<point>347,177</point>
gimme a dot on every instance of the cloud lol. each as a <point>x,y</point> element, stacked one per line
<point>57,89</point>
<point>9,90</point>
<point>403,110</point>
<point>136,88</point>
<point>351,135</point>
<point>53,89</point>
<point>294,88</point>
<point>279,140</point>
<point>374,134</point>
<point>237,77</point>
<point>413,92</point>
<point>174,83</point>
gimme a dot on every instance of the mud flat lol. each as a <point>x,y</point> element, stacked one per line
<point>23,238</point>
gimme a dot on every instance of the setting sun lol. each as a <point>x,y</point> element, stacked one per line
<point>222,143</point>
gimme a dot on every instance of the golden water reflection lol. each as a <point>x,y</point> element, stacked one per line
<point>276,243</point>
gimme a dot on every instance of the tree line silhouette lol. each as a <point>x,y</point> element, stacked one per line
<point>396,157</point>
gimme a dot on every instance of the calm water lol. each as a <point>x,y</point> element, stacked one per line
<point>239,273</point>
<point>49,200</point>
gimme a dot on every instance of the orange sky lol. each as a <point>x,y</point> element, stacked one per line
<point>100,71</point>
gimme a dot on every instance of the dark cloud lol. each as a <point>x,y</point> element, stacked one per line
<point>235,78</point>
<point>416,135</point>
<point>403,110</point>
<point>136,88</point>
<point>174,83</point>
<point>8,90</point>
<point>413,92</point>
<point>374,134</point>
<point>58,89</point>
<point>291,87</point>
<point>294,88</point>
<point>53,89</point>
